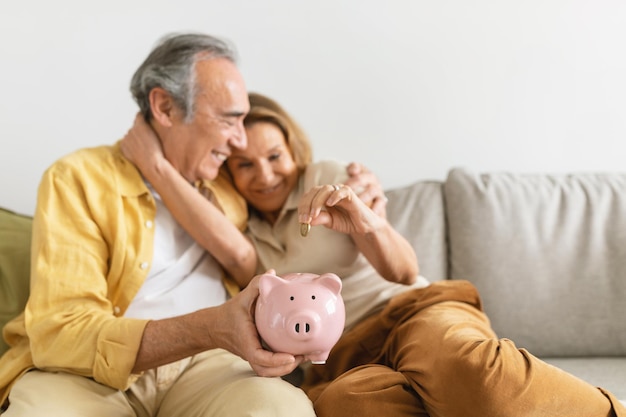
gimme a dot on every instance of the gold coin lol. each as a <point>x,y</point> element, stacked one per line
<point>304,229</point>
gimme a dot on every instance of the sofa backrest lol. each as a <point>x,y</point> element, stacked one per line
<point>548,255</point>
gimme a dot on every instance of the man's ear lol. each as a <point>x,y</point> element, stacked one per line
<point>162,106</point>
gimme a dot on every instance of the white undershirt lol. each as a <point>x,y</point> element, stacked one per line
<point>183,277</point>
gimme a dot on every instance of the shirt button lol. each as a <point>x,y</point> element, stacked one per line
<point>116,310</point>
<point>149,224</point>
<point>143,265</point>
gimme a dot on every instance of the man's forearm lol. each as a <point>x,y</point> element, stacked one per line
<point>168,340</point>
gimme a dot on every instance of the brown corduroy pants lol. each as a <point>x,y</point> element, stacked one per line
<point>432,352</point>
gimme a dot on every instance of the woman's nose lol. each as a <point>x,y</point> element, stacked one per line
<point>264,172</point>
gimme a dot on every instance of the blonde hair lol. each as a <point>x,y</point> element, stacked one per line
<point>264,109</point>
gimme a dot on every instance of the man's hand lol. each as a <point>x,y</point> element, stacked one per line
<point>229,326</point>
<point>367,187</point>
<point>239,332</point>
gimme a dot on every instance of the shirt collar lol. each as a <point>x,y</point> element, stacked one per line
<point>257,225</point>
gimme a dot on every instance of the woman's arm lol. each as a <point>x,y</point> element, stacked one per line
<point>196,214</point>
<point>386,249</point>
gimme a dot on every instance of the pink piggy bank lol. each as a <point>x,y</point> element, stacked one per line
<point>301,314</point>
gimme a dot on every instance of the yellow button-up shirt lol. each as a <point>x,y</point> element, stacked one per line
<point>92,247</point>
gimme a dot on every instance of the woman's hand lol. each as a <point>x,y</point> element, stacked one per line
<point>142,147</point>
<point>337,207</point>
<point>367,187</point>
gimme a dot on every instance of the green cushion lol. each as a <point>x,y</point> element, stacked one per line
<point>15,231</point>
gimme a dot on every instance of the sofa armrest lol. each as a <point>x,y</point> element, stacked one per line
<point>15,237</point>
<point>417,212</point>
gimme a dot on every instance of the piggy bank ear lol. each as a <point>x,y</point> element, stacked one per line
<point>268,282</point>
<point>330,281</point>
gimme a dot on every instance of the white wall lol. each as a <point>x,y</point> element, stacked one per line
<point>408,87</point>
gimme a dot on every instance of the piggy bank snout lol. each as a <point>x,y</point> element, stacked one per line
<point>303,325</point>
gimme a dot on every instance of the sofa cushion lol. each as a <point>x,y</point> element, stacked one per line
<point>548,255</point>
<point>607,372</point>
<point>15,233</point>
<point>417,212</point>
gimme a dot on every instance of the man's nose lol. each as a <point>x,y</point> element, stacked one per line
<point>239,139</point>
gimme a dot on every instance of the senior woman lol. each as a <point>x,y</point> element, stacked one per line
<point>410,347</point>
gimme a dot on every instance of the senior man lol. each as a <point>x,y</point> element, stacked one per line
<point>128,315</point>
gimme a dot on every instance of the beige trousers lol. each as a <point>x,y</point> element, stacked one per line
<point>432,352</point>
<point>214,383</point>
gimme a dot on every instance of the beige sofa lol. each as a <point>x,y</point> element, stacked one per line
<point>548,254</point>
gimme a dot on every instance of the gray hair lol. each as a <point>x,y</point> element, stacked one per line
<point>171,65</point>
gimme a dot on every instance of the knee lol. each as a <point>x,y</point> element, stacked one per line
<point>260,396</point>
<point>480,368</point>
<point>339,398</point>
<point>485,359</point>
<point>471,360</point>
<point>369,390</point>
